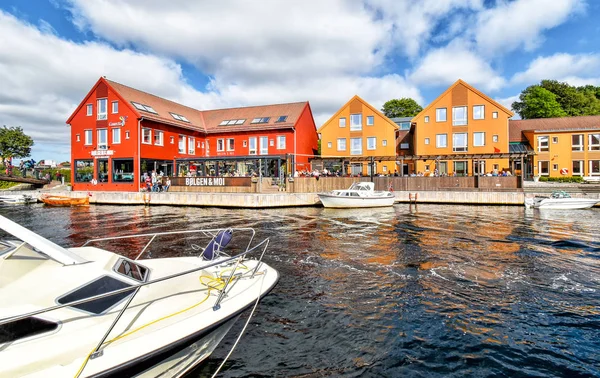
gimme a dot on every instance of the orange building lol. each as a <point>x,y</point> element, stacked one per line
<point>463,131</point>
<point>358,132</point>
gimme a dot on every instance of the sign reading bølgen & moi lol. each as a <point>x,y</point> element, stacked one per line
<point>211,181</point>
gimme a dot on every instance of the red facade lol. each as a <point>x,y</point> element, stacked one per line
<point>118,133</point>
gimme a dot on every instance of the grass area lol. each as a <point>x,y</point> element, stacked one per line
<point>7,184</point>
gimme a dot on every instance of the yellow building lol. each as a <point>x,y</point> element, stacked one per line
<point>358,130</point>
<point>463,131</point>
<point>568,146</point>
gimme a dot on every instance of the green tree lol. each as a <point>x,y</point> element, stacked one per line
<point>538,102</point>
<point>403,107</point>
<point>572,101</point>
<point>14,143</point>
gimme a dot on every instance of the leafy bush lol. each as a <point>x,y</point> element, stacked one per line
<point>573,179</point>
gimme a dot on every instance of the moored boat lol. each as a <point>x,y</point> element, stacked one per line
<point>102,314</point>
<point>53,200</point>
<point>560,200</point>
<point>17,199</point>
<point>360,194</point>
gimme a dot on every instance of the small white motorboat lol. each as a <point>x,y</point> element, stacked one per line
<point>85,311</point>
<point>560,200</point>
<point>17,199</point>
<point>360,194</point>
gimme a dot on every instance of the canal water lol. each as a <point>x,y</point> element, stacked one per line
<point>421,291</point>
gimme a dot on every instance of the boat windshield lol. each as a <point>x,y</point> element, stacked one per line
<point>560,194</point>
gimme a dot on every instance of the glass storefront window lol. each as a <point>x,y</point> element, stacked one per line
<point>122,170</point>
<point>102,170</point>
<point>84,170</point>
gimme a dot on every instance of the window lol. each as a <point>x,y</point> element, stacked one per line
<point>220,145</point>
<point>355,122</point>
<point>84,170</point>
<point>441,140</point>
<point>495,138</point>
<point>78,138</point>
<point>384,143</point>
<point>328,144</point>
<point>122,170</point>
<point>281,119</point>
<point>172,140</point>
<point>126,134</point>
<point>440,115</point>
<point>404,146</point>
<point>245,143</point>
<point>371,143</point>
<point>594,168</point>
<point>577,168</point>
<point>179,117</point>
<point>271,143</point>
<point>544,168</point>
<point>370,120</point>
<point>341,144</point>
<point>116,136</point>
<point>230,144</point>
<point>355,146</point>
<point>426,119</point>
<point>478,139</point>
<point>115,107</point>
<point>99,286</point>
<point>342,122</point>
<point>252,146</point>
<point>555,167</point>
<point>459,116</point>
<point>426,141</point>
<point>404,125</point>
<point>181,144</point>
<point>494,115</point>
<point>594,142</point>
<point>158,138</point>
<point>385,168</point>
<point>478,112</point>
<point>102,170</point>
<point>459,142</point>
<point>261,120</point>
<point>577,142</point>
<point>102,104</point>
<point>264,145</point>
<point>146,136</point>
<point>554,140</point>
<point>427,167</point>
<point>191,146</point>
<point>542,143</point>
<point>88,137</point>
<point>146,108</point>
<point>281,142</point>
<point>89,110</point>
<point>23,328</point>
<point>102,139</point>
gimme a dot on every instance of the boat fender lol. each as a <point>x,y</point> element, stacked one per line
<point>215,246</point>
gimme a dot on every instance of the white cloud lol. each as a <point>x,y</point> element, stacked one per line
<point>577,69</point>
<point>445,65</point>
<point>520,24</point>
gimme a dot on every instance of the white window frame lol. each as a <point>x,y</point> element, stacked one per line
<point>593,146</point>
<point>495,115</point>
<point>342,122</point>
<point>456,147</point>
<point>252,150</point>
<point>481,114</point>
<point>371,143</point>
<point>329,144</point>
<point>158,134</point>
<point>460,121</point>
<point>370,120</point>
<point>404,146</point>
<point>341,144</point>
<point>281,142</point>
<point>384,143</point>
<point>555,167</point>
<point>540,173</point>
<point>116,132</point>
<point>581,168</point>
<point>353,144</point>
<point>191,146</point>
<point>182,144</point>
<point>78,138</point>
<point>230,146</point>
<point>102,115</point>
<point>263,145</point>
<point>543,139</point>
<point>114,107</point>
<point>89,110</point>
<point>579,146</point>
<point>427,141</point>
<point>101,146</point>
<point>475,134</point>
<point>356,122</point>
<point>439,113</point>
<point>172,140</point>
<point>220,145</point>
<point>88,136</point>
<point>149,133</point>
<point>244,143</point>
<point>126,134</point>
<point>591,172</point>
<point>554,140</point>
<point>426,119</point>
<point>495,138</point>
<point>438,141</point>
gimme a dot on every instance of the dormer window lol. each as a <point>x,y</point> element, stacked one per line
<point>145,108</point>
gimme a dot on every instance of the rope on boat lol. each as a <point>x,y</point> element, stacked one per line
<point>243,329</point>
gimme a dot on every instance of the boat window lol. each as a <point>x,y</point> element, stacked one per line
<point>354,194</point>
<point>22,328</point>
<point>101,285</point>
<point>131,270</point>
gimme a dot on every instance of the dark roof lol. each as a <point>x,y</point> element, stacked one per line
<point>402,119</point>
<point>516,127</point>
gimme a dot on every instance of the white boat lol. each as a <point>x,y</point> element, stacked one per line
<point>360,194</point>
<point>560,200</point>
<point>18,199</point>
<point>88,312</point>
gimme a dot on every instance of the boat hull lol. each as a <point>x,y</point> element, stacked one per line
<point>17,199</point>
<point>563,203</point>
<point>65,201</point>
<point>333,201</point>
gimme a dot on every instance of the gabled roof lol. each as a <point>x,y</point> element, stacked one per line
<point>291,112</point>
<point>518,126</point>
<point>471,88</point>
<point>356,97</point>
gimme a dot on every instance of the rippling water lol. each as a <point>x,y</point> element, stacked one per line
<point>404,291</point>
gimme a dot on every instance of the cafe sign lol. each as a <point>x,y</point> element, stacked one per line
<point>102,153</point>
<point>211,181</point>
<point>122,120</point>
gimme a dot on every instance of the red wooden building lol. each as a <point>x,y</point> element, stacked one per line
<point>119,133</point>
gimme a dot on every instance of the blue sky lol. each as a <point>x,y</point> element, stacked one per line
<point>209,54</point>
